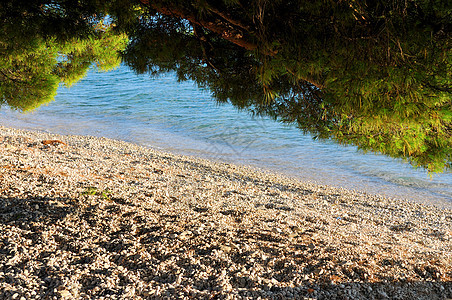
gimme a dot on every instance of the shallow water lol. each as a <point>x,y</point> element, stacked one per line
<point>181,118</point>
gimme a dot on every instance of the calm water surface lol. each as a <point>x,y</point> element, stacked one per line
<point>181,118</point>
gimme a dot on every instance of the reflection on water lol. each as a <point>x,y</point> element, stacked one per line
<point>179,117</point>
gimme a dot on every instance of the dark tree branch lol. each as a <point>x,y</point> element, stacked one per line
<point>309,80</point>
<point>16,80</point>
<point>203,40</point>
<point>229,18</point>
<point>228,31</point>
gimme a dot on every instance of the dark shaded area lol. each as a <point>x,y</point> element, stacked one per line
<point>33,216</point>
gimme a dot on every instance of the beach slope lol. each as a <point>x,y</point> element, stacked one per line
<point>85,218</point>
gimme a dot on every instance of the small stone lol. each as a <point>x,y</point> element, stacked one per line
<point>178,279</point>
<point>146,294</point>
<point>383,294</point>
<point>185,235</point>
<point>297,229</point>
<point>225,248</point>
<point>65,294</point>
<point>276,230</point>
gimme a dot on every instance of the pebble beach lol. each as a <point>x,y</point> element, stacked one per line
<point>93,218</point>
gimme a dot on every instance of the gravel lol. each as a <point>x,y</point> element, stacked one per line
<point>93,218</point>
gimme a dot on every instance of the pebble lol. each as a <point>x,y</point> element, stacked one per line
<point>92,219</point>
<point>65,294</point>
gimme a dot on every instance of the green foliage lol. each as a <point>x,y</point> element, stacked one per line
<point>30,78</point>
<point>376,74</point>
<point>43,44</point>
<point>94,191</point>
<point>26,79</point>
<point>91,191</point>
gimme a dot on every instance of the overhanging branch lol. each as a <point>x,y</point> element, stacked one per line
<point>220,26</point>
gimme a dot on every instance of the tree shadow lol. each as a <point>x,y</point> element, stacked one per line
<point>159,261</point>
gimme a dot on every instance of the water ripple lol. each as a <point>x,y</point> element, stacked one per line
<point>178,117</point>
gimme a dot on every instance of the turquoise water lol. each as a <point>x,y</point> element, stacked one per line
<point>181,118</point>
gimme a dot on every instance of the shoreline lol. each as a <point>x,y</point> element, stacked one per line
<point>92,217</point>
<point>399,184</point>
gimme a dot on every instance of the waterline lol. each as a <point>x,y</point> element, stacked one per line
<point>181,118</point>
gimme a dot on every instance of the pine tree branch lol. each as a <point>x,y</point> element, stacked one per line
<point>229,18</point>
<point>220,26</point>
<point>202,40</point>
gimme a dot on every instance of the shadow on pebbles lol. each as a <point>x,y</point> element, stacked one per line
<point>92,218</point>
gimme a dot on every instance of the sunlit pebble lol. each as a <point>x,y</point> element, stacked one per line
<point>128,242</point>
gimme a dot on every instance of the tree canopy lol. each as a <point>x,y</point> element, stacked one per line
<point>376,74</point>
<point>41,46</point>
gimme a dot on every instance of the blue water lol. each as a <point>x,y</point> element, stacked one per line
<point>181,118</point>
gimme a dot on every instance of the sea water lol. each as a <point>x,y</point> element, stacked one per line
<point>179,117</point>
